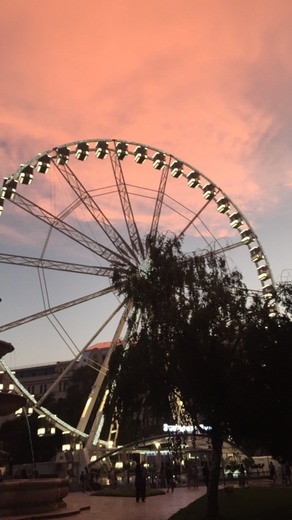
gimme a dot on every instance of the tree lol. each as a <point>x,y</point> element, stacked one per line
<point>284,294</point>
<point>268,353</point>
<point>203,337</point>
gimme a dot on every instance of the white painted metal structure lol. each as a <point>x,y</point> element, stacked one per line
<point>91,205</point>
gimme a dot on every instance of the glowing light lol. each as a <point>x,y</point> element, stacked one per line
<point>222,205</point>
<point>263,273</point>
<point>101,149</point>
<point>246,236</point>
<point>121,150</point>
<point>86,406</point>
<point>63,154</point>
<point>43,164</point>
<point>9,189</point>
<point>209,191</point>
<point>193,179</point>
<point>140,154</point>
<point>235,220</point>
<point>256,254</point>
<point>176,169</point>
<point>158,160</point>
<point>26,174</point>
<point>82,151</point>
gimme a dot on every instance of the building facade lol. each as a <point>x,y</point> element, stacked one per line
<point>38,379</point>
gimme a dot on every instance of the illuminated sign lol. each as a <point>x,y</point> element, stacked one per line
<point>181,428</point>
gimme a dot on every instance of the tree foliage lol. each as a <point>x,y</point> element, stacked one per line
<point>187,307</point>
<point>203,336</point>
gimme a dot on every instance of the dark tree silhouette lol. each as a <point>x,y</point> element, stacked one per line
<point>204,338</point>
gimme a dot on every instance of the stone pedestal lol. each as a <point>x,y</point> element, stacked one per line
<point>32,496</point>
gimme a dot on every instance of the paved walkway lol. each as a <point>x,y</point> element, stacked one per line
<point>160,507</point>
<point>84,506</point>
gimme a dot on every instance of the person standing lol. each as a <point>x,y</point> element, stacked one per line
<point>82,481</point>
<point>195,476</point>
<point>169,475</point>
<point>272,471</point>
<point>241,478</point>
<point>288,473</point>
<point>112,478</point>
<point>206,473</point>
<point>162,475</point>
<point>190,475</point>
<point>140,481</point>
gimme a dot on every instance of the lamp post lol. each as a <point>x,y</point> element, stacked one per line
<point>26,411</point>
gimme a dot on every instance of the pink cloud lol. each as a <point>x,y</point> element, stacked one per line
<point>208,81</point>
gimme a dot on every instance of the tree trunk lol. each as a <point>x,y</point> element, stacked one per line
<point>212,490</point>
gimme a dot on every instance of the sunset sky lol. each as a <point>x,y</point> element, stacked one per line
<point>209,81</point>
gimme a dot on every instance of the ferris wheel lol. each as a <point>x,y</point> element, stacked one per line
<point>74,214</point>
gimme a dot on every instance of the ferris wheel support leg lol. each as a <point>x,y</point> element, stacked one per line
<point>99,381</point>
<point>94,434</point>
<point>113,433</point>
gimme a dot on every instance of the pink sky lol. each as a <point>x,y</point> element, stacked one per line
<point>209,81</point>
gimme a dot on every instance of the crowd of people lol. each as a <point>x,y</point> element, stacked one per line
<point>89,480</point>
<point>170,476</point>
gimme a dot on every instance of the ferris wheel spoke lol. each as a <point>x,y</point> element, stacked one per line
<point>42,263</point>
<point>103,370</point>
<point>57,308</point>
<point>159,200</point>
<point>96,388</point>
<point>191,222</point>
<point>228,247</point>
<point>133,232</point>
<point>94,209</point>
<point>194,218</point>
<point>68,230</point>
